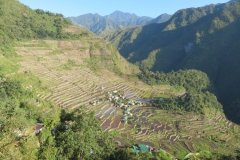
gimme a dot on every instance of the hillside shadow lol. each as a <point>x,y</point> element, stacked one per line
<point>153,37</point>
<point>216,55</point>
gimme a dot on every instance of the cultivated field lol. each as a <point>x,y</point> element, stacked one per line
<point>61,66</point>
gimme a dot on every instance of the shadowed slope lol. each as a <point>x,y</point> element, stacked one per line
<point>205,38</point>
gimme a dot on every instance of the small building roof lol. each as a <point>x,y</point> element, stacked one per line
<point>135,149</point>
<point>143,148</point>
<point>119,103</point>
<point>38,126</point>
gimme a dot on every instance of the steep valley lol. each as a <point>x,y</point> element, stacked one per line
<point>204,38</point>
<point>66,93</point>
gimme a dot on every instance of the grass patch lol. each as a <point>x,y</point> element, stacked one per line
<point>160,95</point>
<point>37,44</point>
<point>8,66</point>
<point>39,58</point>
<point>68,65</point>
<point>63,97</point>
<point>28,79</point>
<point>133,78</point>
<point>39,48</point>
<point>175,89</point>
<point>56,51</point>
<point>147,94</point>
<point>115,133</point>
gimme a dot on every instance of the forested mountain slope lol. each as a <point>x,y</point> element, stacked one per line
<point>161,19</point>
<point>205,38</point>
<point>20,22</point>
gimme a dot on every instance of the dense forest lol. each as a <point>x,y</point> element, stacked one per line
<point>19,22</point>
<point>24,23</point>
<point>198,98</point>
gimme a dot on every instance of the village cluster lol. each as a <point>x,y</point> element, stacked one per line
<point>120,99</point>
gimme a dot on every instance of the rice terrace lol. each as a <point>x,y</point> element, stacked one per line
<point>124,105</point>
<point>119,86</point>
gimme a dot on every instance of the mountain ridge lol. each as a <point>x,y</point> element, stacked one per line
<point>161,18</point>
<point>95,22</point>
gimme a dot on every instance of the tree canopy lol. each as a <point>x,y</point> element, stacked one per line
<point>198,98</point>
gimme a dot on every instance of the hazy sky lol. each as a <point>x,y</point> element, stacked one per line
<point>151,8</point>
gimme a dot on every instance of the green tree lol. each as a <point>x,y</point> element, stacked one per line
<point>80,136</point>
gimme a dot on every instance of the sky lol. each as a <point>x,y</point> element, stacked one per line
<point>151,8</point>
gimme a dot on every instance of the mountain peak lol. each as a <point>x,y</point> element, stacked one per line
<point>120,14</point>
<point>117,11</point>
<point>162,18</point>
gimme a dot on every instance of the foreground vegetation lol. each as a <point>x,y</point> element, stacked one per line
<point>66,135</point>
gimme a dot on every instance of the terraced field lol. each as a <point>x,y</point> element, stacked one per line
<point>61,68</point>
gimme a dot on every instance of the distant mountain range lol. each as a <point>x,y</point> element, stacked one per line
<point>205,38</point>
<point>97,23</point>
